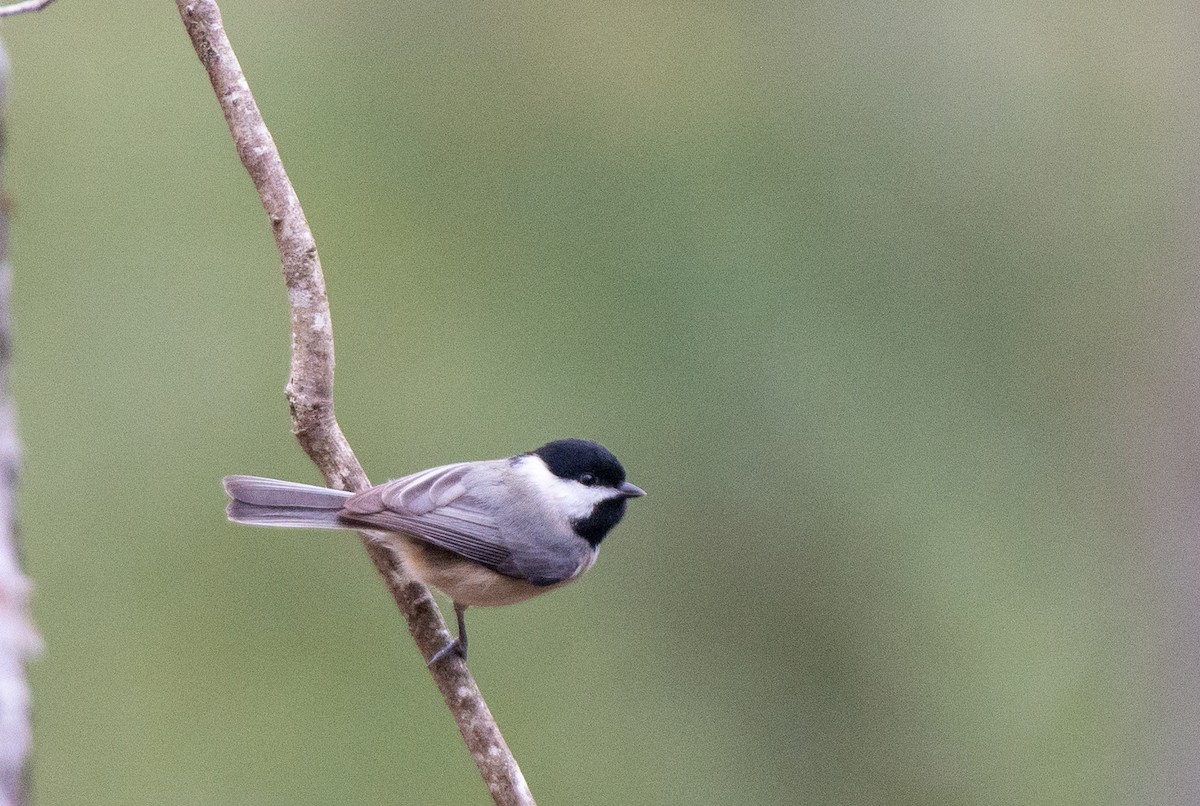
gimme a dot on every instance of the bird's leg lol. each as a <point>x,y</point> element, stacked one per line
<point>459,644</point>
<point>459,611</point>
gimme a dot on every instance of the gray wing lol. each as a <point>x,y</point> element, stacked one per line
<point>437,506</point>
<point>434,505</point>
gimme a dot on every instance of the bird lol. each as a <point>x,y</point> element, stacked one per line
<point>486,533</point>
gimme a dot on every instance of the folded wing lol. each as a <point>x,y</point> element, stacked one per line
<point>433,505</point>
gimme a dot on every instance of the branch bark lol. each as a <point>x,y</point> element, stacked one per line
<point>310,392</point>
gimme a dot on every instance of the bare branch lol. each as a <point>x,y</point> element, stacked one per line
<point>23,7</point>
<point>18,637</point>
<point>310,391</point>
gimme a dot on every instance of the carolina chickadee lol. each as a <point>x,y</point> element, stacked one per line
<point>486,533</point>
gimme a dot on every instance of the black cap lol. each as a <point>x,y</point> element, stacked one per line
<point>574,458</point>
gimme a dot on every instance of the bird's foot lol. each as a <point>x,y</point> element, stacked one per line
<point>454,646</point>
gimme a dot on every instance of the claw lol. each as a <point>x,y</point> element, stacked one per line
<point>452,647</point>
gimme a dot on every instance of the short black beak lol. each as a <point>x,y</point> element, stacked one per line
<point>628,490</point>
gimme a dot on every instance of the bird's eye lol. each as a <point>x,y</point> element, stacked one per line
<point>587,479</point>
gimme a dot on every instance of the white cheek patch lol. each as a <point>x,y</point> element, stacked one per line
<point>564,496</point>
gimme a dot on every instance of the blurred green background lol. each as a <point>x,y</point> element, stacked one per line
<point>879,302</point>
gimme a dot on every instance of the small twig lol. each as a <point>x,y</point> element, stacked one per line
<point>23,7</point>
<point>310,391</point>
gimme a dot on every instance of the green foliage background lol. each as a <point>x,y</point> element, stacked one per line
<point>871,299</point>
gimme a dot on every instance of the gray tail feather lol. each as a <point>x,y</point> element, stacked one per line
<point>269,502</point>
